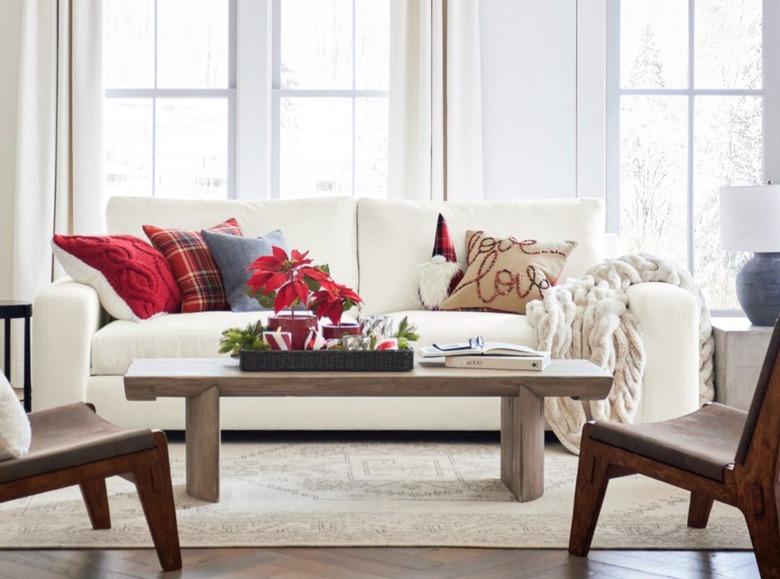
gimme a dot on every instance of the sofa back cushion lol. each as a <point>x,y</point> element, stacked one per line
<point>326,227</point>
<point>395,237</point>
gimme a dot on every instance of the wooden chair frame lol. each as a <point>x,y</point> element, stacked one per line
<point>148,469</point>
<point>750,483</point>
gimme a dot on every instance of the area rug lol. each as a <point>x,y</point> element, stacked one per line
<point>348,493</point>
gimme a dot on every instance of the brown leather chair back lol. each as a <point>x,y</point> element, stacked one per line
<point>760,439</point>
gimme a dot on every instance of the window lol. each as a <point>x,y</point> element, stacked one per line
<point>330,76</point>
<point>169,70</point>
<point>175,91</point>
<point>685,111</point>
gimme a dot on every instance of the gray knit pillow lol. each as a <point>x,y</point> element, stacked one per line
<point>233,255</point>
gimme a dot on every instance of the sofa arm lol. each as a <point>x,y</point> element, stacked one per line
<point>669,318</point>
<point>65,316</point>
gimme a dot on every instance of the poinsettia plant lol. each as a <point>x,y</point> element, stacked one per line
<point>332,300</point>
<point>286,282</point>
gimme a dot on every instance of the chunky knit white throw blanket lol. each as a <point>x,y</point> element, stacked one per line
<point>588,318</point>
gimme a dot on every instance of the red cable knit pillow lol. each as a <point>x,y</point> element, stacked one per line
<point>194,270</point>
<point>132,279</point>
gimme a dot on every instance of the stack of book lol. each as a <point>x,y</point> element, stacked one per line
<point>476,353</point>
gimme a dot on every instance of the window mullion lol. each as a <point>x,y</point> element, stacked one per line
<point>231,128</point>
<point>154,108</point>
<point>176,93</point>
<point>690,130</point>
<point>695,91</point>
<point>276,106</point>
<point>771,92</point>
<point>354,88</point>
<point>613,93</point>
<point>253,99</point>
<point>331,93</point>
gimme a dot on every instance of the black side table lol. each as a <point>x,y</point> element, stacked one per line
<point>13,310</point>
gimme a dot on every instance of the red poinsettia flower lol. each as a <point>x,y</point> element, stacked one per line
<point>332,300</point>
<point>273,271</point>
<point>284,281</point>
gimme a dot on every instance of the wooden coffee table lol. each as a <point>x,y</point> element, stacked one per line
<point>202,381</point>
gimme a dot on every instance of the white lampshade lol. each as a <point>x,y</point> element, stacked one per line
<point>750,218</point>
<point>750,221</point>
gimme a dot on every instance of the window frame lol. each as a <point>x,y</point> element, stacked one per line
<point>253,120</point>
<point>278,93</point>
<point>229,94</point>
<point>769,92</point>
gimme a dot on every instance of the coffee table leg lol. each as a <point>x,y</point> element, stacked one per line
<point>522,444</point>
<point>202,443</point>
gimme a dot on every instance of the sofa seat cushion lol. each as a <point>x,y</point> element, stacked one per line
<point>197,335</point>
<point>194,335</point>
<point>447,327</point>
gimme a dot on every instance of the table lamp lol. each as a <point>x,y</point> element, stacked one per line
<point>750,221</point>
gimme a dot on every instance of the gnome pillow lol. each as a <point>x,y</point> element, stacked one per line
<point>441,274</point>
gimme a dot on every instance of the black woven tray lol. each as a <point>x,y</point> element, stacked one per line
<point>327,361</point>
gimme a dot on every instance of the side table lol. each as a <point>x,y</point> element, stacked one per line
<point>10,310</point>
<point>740,348</point>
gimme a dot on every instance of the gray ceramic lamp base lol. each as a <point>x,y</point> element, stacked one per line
<point>758,288</point>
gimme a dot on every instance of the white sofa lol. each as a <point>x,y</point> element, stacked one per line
<point>374,246</point>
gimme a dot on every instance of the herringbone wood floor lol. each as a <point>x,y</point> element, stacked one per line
<point>366,563</point>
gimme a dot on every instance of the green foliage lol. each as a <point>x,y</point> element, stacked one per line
<point>406,333</point>
<point>235,339</point>
<point>267,301</point>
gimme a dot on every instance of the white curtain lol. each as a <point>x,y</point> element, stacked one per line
<point>59,142</point>
<point>435,140</point>
<point>59,173</point>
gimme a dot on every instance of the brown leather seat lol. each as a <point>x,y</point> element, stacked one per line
<point>69,436</point>
<point>717,453</point>
<point>703,442</point>
<point>72,445</point>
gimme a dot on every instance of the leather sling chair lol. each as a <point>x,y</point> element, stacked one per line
<point>718,453</point>
<point>72,445</point>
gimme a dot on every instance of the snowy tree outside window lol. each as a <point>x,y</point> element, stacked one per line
<point>689,120</point>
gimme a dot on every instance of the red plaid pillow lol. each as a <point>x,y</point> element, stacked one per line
<point>195,271</point>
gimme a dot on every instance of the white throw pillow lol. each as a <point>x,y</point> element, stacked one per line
<point>15,434</point>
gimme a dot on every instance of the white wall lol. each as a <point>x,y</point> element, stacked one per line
<point>10,27</point>
<point>529,98</point>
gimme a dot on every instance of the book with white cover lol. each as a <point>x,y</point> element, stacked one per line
<point>537,363</point>
<point>478,347</point>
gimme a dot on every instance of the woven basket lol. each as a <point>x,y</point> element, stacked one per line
<point>327,361</point>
